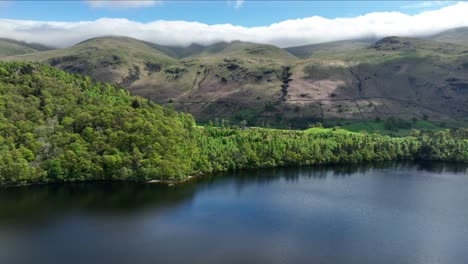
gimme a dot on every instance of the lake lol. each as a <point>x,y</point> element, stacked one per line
<point>381,213</point>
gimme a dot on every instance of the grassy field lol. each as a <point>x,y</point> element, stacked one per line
<point>380,127</point>
<point>360,126</point>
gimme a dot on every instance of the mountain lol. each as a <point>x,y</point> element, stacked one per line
<point>191,50</point>
<point>235,48</point>
<point>118,60</point>
<point>406,78</point>
<point>9,47</point>
<point>402,77</point>
<point>246,51</point>
<point>455,36</point>
<point>329,48</point>
<point>224,78</point>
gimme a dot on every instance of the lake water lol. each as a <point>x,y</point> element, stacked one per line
<point>385,213</point>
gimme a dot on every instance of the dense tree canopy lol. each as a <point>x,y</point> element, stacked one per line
<point>56,126</point>
<point>257,147</point>
<point>60,127</point>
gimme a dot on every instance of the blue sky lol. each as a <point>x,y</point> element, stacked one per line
<point>248,13</point>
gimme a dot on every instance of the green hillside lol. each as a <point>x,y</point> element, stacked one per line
<point>118,60</point>
<point>191,50</point>
<point>225,49</point>
<point>329,48</point>
<point>406,78</point>
<point>246,50</point>
<point>455,36</point>
<point>9,47</point>
<point>226,78</point>
<point>58,127</point>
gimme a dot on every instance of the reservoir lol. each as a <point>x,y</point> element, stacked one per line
<point>415,213</point>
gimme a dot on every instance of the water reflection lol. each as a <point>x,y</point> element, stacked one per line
<point>31,203</point>
<point>441,167</point>
<point>371,213</point>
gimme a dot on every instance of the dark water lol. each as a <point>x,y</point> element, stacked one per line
<point>386,213</point>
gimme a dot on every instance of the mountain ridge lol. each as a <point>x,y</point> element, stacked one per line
<point>9,47</point>
<point>296,86</point>
<point>454,36</point>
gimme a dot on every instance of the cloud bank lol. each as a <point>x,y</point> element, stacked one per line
<point>284,34</point>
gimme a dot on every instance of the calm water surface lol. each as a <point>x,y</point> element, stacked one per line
<point>386,213</point>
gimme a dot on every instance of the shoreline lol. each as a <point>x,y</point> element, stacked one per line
<point>197,176</point>
<point>174,182</point>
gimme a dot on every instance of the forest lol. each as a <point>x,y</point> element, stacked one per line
<point>60,127</point>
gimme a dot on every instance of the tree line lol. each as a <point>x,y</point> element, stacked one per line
<point>59,127</point>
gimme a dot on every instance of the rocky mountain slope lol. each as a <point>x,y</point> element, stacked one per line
<point>263,84</point>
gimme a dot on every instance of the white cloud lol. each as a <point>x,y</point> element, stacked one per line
<point>286,33</point>
<point>118,4</point>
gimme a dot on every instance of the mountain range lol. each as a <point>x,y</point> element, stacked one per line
<point>368,79</point>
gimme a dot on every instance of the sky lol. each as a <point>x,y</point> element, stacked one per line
<point>282,23</point>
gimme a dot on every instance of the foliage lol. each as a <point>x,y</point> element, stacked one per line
<point>60,127</point>
<point>56,127</point>
<point>227,149</point>
<point>394,124</point>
